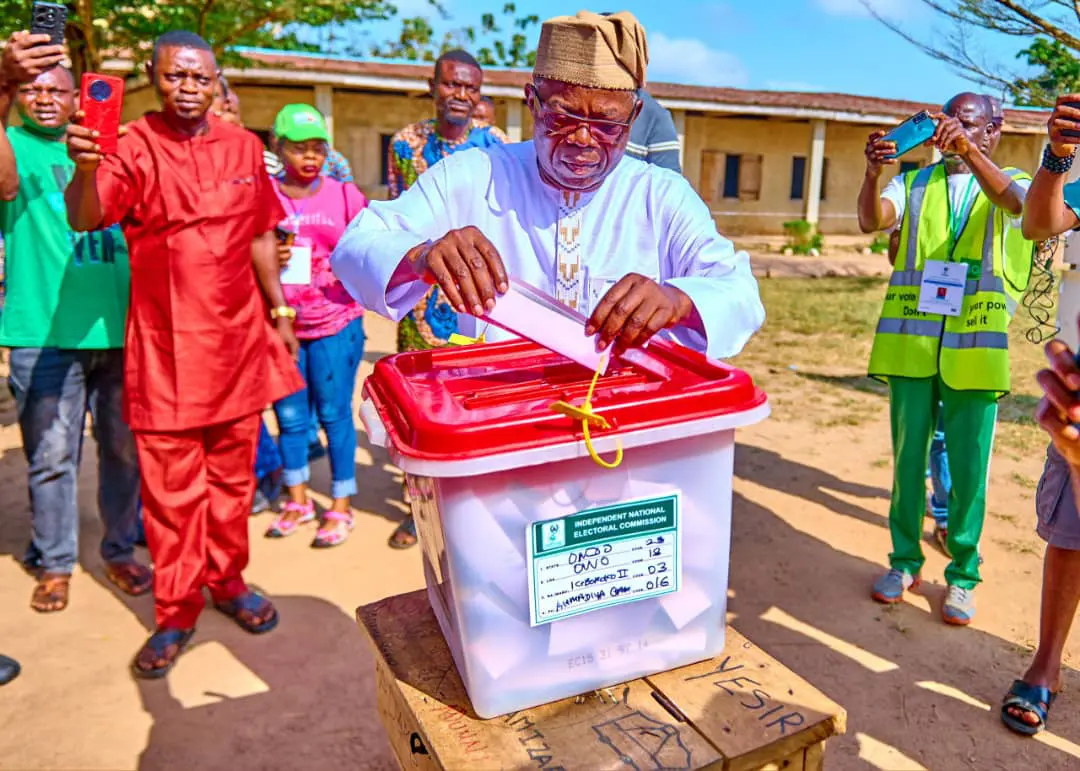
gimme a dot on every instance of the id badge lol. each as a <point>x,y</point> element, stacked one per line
<point>942,288</point>
<point>298,271</point>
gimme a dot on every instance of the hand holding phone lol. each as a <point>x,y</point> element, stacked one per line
<point>915,131</point>
<point>101,99</point>
<point>1064,124</point>
<point>27,55</point>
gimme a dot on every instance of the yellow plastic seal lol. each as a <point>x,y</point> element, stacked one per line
<point>588,417</point>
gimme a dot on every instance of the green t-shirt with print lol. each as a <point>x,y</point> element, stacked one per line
<point>64,289</point>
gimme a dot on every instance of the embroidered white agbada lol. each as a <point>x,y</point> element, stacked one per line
<point>643,219</point>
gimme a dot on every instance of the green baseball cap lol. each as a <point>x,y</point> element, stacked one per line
<point>299,123</point>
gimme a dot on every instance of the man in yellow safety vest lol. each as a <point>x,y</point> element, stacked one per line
<point>962,267</point>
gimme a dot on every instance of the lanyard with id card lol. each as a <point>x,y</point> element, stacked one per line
<point>945,282</point>
<point>297,272</point>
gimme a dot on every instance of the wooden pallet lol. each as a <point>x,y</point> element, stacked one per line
<point>740,711</point>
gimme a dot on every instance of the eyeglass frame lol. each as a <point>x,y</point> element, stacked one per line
<point>624,127</point>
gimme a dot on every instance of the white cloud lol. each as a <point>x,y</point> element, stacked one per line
<point>691,61</point>
<point>890,9</point>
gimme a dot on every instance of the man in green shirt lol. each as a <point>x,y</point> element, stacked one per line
<point>63,319</point>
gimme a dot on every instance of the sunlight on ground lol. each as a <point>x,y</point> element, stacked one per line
<point>1046,737</point>
<point>862,657</point>
<point>880,755</point>
<point>209,673</point>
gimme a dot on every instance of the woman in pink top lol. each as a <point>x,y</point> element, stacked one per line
<point>329,323</point>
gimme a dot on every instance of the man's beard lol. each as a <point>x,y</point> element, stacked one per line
<point>458,120</point>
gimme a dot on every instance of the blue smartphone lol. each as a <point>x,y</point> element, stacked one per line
<point>911,133</point>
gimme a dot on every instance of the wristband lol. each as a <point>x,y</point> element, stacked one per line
<point>283,312</point>
<point>1056,164</point>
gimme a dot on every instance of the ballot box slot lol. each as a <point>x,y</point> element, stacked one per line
<point>553,389</point>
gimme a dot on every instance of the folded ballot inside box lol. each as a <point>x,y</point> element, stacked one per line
<point>553,575</point>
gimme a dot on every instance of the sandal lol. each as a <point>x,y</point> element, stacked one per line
<point>284,525</point>
<point>1036,699</point>
<point>331,533</point>
<point>405,535</point>
<point>51,593</point>
<point>248,611</point>
<point>166,645</point>
<point>130,577</point>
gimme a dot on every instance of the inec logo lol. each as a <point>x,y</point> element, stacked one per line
<point>554,534</point>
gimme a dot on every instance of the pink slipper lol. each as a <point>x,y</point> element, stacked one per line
<point>331,535</point>
<point>282,527</point>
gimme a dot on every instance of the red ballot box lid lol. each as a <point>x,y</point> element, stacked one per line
<point>465,402</point>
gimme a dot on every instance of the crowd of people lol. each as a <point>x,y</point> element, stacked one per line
<point>194,243</point>
<point>177,288</point>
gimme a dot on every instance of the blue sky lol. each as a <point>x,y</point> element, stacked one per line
<point>806,45</point>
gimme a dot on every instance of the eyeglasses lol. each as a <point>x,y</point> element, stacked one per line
<point>560,122</point>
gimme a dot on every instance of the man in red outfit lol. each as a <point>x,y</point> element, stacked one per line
<point>202,361</point>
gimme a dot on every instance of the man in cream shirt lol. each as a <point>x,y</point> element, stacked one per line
<point>629,245</point>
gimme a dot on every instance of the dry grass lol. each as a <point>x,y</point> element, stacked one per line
<point>811,357</point>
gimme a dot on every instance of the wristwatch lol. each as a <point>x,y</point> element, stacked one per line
<point>283,311</point>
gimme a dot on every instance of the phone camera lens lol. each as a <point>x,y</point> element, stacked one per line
<point>100,91</point>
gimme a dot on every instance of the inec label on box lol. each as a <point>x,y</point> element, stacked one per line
<point>603,557</point>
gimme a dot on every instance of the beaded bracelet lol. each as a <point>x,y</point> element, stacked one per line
<point>1055,164</point>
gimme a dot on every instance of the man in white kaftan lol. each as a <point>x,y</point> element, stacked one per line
<point>629,245</point>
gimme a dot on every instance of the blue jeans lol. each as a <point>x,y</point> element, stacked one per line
<point>328,366</point>
<point>267,456</point>
<point>940,480</point>
<point>53,390</point>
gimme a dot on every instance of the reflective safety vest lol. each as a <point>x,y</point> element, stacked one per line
<point>970,351</point>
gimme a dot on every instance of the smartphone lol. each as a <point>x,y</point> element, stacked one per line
<point>101,99</point>
<point>284,236</point>
<point>48,19</point>
<point>1072,133</point>
<point>911,133</point>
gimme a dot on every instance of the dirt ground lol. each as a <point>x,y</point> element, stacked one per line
<point>810,535</point>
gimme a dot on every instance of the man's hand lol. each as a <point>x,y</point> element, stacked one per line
<point>467,267</point>
<point>82,144</point>
<point>284,254</point>
<point>1060,406</point>
<point>950,136</point>
<point>877,150</point>
<point>634,310</point>
<point>288,336</point>
<point>1065,117</point>
<point>24,59</point>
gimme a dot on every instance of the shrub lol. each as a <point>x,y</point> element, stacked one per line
<point>802,237</point>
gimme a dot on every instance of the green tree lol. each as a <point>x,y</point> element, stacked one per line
<point>98,29</point>
<point>419,42</point>
<point>1058,73</point>
<point>1054,25</point>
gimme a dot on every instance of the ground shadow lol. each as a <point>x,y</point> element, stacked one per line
<point>317,707</point>
<point>1014,408</point>
<point>936,730</point>
<point>319,711</point>
<point>771,469</point>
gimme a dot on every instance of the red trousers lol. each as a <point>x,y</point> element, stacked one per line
<point>197,488</point>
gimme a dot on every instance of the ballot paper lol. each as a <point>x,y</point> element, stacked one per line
<point>298,270</point>
<point>527,312</point>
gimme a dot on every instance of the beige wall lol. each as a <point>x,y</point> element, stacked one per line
<point>778,142</point>
<point>363,118</point>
